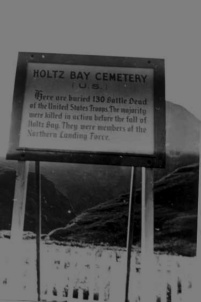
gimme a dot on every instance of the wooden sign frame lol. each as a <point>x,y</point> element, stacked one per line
<point>155,160</point>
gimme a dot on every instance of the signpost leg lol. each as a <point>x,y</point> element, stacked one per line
<point>130,227</point>
<point>147,236</point>
<point>19,201</point>
<point>38,228</point>
<point>17,228</point>
<point>197,268</point>
<point>198,251</point>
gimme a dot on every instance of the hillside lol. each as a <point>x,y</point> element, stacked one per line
<point>55,207</point>
<point>175,214</point>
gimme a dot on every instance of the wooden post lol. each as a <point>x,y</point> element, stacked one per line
<point>19,202</point>
<point>17,227</point>
<point>147,236</point>
<point>38,228</point>
<point>198,250</point>
<point>130,227</point>
<point>197,268</point>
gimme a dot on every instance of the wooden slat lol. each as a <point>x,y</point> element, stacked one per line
<point>118,278</point>
<point>184,280</point>
<point>174,279</point>
<point>164,279</point>
<point>132,295</point>
<point>92,276</point>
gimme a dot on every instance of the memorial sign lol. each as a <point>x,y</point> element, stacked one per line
<point>89,109</point>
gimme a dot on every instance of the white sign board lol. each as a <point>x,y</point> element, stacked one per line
<point>88,104</point>
<point>88,108</point>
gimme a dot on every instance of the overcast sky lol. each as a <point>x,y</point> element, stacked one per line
<point>151,29</point>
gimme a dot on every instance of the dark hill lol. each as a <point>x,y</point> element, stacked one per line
<point>55,207</point>
<point>175,217</point>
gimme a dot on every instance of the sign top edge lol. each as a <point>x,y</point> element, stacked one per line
<point>48,54</point>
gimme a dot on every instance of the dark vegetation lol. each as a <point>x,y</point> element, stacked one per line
<point>175,214</point>
<point>55,207</point>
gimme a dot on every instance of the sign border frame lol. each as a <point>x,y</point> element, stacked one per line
<point>157,160</point>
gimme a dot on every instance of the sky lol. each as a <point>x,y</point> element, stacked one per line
<point>149,29</point>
